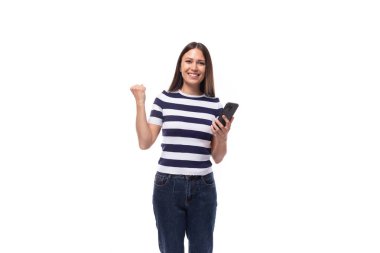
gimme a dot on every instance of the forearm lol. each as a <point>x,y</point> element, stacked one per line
<point>219,150</point>
<point>142,127</point>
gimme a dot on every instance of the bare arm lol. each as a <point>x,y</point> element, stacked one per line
<point>146,133</point>
<point>219,139</point>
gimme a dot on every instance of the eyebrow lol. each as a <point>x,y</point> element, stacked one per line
<point>189,58</point>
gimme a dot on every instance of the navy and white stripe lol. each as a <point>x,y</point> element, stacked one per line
<point>185,122</point>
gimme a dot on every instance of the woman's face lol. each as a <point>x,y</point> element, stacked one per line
<point>193,67</point>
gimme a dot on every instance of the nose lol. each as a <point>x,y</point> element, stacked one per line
<point>194,65</point>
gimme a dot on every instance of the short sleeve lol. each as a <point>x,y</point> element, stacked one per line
<point>156,116</point>
<point>219,110</point>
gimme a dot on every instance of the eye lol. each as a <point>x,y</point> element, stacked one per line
<point>201,63</point>
<point>188,61</point>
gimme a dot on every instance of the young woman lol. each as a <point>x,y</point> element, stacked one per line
<point>184,196</point>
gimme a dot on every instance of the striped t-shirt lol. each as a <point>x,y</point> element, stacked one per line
<point>185,121</point>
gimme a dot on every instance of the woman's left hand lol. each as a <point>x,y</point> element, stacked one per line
<point>219,131</point>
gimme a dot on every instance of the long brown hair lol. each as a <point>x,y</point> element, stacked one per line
<point>207,85</point>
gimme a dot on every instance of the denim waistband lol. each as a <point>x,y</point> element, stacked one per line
<point>188,177</point>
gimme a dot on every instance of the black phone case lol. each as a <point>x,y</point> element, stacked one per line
<point>228,110</point>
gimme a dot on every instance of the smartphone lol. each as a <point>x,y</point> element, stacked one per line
<point>228,110</point>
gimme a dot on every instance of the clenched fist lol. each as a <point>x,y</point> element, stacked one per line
<point>138,91</point>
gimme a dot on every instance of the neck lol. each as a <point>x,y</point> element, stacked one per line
<point>191,90</point>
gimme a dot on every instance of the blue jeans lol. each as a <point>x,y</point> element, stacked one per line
<point>184,205</point>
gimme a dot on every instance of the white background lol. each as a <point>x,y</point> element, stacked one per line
<point>302,170</point>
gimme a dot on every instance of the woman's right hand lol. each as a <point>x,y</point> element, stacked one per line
<point>138,91</point>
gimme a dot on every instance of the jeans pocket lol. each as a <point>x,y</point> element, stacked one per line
<point>208,179</point>
<point>161,179</point>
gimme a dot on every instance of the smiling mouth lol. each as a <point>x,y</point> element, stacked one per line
<point>193,75</point>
